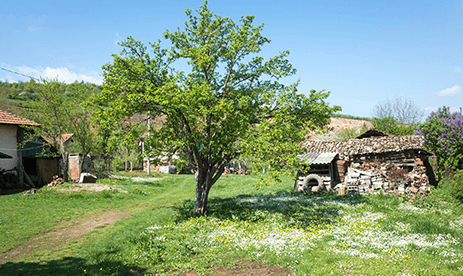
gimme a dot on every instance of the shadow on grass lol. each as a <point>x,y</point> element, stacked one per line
<point>295,208</point>
<point>66,266</point>
<point>12,192</point>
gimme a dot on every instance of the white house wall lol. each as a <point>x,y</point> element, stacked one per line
<point>8,146</point>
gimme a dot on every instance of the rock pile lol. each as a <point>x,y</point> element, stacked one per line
<point>387,177</point>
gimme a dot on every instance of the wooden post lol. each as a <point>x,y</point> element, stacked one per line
<point>331,175</point>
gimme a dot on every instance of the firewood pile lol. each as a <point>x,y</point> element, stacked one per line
<point>242,172</point>
<point>371,177</point>
<point>30,192</point>
<point>56,181</point>
<point>228,171</point>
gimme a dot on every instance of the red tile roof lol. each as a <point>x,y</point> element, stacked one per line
<point>66,137</point>
<point>11,119</point>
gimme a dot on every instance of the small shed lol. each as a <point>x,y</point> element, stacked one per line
<point>376,161</point>
<point>321,173</point>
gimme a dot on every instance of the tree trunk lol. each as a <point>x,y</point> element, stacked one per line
<point>203,185</point>
<point>66,167</point>
<point>202,193</point>
<point>82,162</point>
<point>205,178</point>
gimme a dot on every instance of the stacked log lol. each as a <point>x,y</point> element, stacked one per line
<point>242,172</point>
<point>56,181</point>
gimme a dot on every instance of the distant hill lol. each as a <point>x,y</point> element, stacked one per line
<point>13,96</point>
<point>337,124</point>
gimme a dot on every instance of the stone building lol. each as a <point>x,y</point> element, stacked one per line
<point>371,162</point>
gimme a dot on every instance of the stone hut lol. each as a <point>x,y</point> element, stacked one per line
<point>371,162</point>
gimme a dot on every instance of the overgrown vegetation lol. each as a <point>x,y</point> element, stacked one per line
<point>443,133</point>
<point>350,133</point>
<point>392,126</point>
<point>457,186</point>
<point>310,234</point>
<point>345,116</point>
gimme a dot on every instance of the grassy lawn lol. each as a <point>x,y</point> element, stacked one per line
<point>307,234</point>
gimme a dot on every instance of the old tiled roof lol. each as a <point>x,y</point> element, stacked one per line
<point>318,158</point>
<point>368,145</point>
<point>11,119</point>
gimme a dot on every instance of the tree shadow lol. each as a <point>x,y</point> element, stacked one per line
<point>11,191</point>
<point>68,266</point>
<point>295,208</point>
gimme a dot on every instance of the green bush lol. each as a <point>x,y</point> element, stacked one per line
<point>456,189</point>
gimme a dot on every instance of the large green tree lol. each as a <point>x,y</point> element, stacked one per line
<point>230,102</point>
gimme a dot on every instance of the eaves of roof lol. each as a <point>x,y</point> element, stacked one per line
<point>12,119</point>
<point>319,158</point>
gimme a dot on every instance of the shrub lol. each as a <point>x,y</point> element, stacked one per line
<point>443,133</point>
<point>392,126</point>
<point>347,133</point>
<point>456,189</point>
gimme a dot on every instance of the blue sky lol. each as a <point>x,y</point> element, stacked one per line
<point>364,52</point>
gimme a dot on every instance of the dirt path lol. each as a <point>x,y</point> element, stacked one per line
<point>64,233</point>
<point>74,230</point>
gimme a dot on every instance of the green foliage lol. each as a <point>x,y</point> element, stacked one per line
<point>350,133</point>
<point>230,103</point>
<point>392,126</point>
<point>443,133</point>
<point>457,186</point>
<point>50,111</point>
<point>60,115</point>
<point>11,101</point>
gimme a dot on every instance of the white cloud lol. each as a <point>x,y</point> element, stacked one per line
<point>62,74</point>
<point>457,70</point>
<point>449,91</point>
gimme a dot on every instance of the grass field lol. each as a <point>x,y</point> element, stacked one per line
<point>156,232</point>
